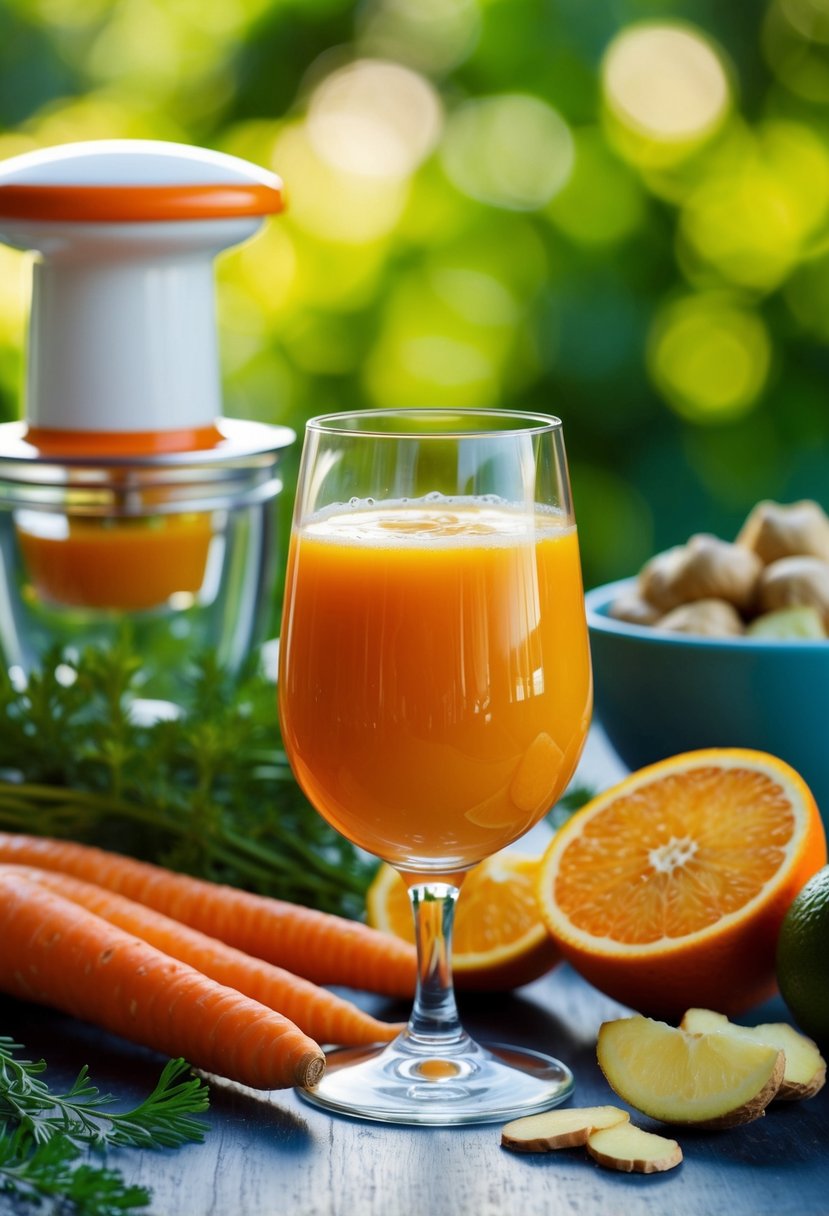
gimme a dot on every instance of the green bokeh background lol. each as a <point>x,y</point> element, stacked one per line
<point>617,212</point>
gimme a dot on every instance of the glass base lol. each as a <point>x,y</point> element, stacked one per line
<point>481,1084</point>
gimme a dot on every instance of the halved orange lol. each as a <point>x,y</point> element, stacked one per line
<point>669,889</point>
<point>499,940</point>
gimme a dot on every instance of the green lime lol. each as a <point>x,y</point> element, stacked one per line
<point>803,957</point>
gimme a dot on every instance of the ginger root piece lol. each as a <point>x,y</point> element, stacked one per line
<point>559,1128</point>
<point>801,624</point>
<point>657,579</point>
<point>624,1146</point>
<point>709,1080</point>
<point>795,582</point>
<point>789,624</point>
<point>633,608</point>
<point>804,1074</point>
<point>708,618</point>
<point>772,582</point>
<point>774,530</point>
<point>706,568</point>
<point>715,569</point>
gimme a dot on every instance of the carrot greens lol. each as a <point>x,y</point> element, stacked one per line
<point>164,1119</point>
<point>45,1134</point>
<point>52,1170</point>
<point>208,792</point>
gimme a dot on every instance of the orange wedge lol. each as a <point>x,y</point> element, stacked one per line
<point>669,890</point>
<point>499,941</point>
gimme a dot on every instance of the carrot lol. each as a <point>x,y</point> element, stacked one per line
<point>59,954</point>
<point>318,1013</point>
<point>317,945</point>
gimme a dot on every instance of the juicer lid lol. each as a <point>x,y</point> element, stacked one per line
<point>133,181</point>
<point>122,332</point>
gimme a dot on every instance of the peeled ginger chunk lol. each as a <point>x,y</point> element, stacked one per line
<point>788,623</point>
<point>804,1073</point>
<point>627,1147</point>
<point>559,1128</point>
<point>709,1080</point>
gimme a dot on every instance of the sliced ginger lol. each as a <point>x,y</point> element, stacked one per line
<point>559,1128</point>
<point>805,1068</point>
<point>606,1131</point>
<point>624,1146</point>
<point>707,1073</point>
<point>710,1080</point>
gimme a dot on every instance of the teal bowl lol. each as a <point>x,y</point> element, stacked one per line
<point>659,693</point>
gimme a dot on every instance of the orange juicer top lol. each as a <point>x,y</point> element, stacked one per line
<point>122,410</point>
<point>122,353</point>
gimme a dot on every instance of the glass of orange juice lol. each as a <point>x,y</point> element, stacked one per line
<point>435,694</point>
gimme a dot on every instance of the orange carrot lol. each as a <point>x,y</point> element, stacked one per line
<point>56,953</point>
<point>317,945</point>
<point>318,1013</point>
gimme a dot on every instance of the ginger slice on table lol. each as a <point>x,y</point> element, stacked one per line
<point>624,1146</point>
<point>559,1128</point>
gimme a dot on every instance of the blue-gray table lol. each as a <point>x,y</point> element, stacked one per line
<point>272,1154</point>
<point>269,1154</point>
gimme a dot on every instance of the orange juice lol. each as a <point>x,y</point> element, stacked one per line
<point>435,686</point>
<point>121,564</point>
<point>113,562</point>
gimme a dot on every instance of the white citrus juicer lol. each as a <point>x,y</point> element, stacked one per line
<point>125,496</point>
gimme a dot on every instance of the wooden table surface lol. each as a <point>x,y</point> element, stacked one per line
<point>273,1154</point>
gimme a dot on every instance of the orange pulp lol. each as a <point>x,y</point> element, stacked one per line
<point>668,890</point>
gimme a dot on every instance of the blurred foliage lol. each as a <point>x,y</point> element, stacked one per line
<point>617,213</point>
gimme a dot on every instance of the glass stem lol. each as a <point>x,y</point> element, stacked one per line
<point>434,1023</point>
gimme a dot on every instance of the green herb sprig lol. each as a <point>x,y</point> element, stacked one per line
<point>209,792</point>
<point>45,1134</point>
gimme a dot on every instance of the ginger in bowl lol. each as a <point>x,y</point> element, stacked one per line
<point>771,582</point>
<point>721,643</point>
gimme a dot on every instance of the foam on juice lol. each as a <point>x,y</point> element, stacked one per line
<point>433,520</point>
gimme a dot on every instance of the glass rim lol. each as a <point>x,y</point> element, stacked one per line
<point>337,423</point>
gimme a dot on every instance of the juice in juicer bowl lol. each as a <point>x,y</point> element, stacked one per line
<point>126,499</point>
<point>181,549</point>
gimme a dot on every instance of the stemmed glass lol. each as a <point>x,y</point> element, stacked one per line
<point>435,694</point>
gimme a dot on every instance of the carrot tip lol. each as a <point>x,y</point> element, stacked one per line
<point>310,1070</point>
